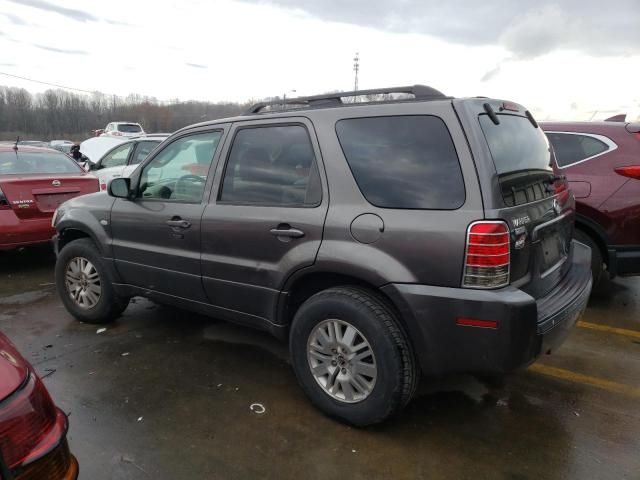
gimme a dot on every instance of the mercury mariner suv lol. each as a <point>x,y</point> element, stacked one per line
<point>409,235</point>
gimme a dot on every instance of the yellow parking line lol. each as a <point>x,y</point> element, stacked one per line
<point>606,328</point>
<point>585,380</point>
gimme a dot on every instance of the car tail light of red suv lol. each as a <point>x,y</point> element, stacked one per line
<point>487,255</point>
<point>631,171</point>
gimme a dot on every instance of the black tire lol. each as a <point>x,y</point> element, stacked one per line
<point>397,373</point>
<point>596,257</point>
<point>109,305</point>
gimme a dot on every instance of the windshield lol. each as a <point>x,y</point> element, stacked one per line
<point>129,128</point>
<point>22,163</point>
<point>515,144</point>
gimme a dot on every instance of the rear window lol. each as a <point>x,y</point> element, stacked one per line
<point>515,144</point>
<point>129,128</point>
<point>12,163</point>
<point>571,148</point>
<point>403,161</point>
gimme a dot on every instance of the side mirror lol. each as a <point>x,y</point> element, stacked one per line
<point>120,187</point>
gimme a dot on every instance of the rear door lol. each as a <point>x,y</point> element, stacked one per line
<point>265,219</point>
<point>156,236</point>
<point>516,168</point>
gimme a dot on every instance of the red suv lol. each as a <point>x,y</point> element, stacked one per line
<point>602,163</point>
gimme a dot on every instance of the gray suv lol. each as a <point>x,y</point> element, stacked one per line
<point>410,235</point>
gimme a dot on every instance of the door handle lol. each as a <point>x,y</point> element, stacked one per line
<point>178,223</point>
<point>286,232</point>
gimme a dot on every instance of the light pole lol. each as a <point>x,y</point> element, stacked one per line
<point>284,99</point>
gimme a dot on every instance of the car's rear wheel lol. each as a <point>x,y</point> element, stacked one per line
<point>351,356</point>
<point>597,269</point>
<point>84,284</point>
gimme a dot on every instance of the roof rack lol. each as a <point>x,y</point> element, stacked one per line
<point>420,92</point>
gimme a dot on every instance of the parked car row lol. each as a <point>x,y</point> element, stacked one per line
<point>231,218</point>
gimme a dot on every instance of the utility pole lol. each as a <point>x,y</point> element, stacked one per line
<point>356,69</point>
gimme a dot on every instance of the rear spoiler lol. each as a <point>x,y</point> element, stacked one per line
<point>622,117</point>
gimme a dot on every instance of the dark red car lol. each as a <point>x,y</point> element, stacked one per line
<point>33,431</point>
<point>602,163</point>
<point>33,182</point>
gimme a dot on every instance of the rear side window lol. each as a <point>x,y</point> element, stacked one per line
<point>571,148</point>
<point>272,166</point>
<point>12,163</point>
<point>515,144</point>
<point>403,161</point>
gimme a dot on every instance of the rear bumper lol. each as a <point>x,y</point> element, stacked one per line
<point>526,327</point>
<point>15,233</point>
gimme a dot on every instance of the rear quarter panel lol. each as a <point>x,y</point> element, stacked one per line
<point>416,246</point>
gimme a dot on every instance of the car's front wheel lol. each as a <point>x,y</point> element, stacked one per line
<point>351,356</point>
<point>84,284</point>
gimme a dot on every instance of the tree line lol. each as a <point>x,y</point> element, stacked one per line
<point>59,114</point>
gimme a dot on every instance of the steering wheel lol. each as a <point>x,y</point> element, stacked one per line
<point>181,183</point>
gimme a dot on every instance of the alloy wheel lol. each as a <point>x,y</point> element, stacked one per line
<point>341,361</point>
<point>83,282</point>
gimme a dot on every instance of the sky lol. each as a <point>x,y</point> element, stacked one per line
<point>563,59</point>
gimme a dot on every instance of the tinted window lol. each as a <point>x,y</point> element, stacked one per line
<point>179,172</point>
<point>403,162</point>
<point>117,157</point>
<point>515,144</point>
<point>45,162</point>
<point>142,151</point>
<point>272,166</point>
<point>129,128</point>
<point>572,148</point>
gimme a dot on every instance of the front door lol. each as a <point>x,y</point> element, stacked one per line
<point>265,218</point>
<point>156,236</point>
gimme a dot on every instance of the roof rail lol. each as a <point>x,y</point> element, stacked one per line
<point>421,92</point>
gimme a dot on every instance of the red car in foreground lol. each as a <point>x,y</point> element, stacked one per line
<point>602,163</point>
<point>33,431</point>
<point>33,182</point>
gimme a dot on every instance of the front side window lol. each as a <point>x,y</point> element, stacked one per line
<point>117,157</point>
<point>180,171</point>
<point>572,148</point>
<point>142,151</point>
<point>403,161</point>
<point>272,166</point>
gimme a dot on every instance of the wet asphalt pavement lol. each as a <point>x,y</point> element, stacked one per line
<point>165,394</point>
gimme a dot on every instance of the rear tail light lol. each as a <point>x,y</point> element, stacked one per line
<point>487,256</point>
<point>4,203</point>
<point>30,425</point>
<point>631,171</point>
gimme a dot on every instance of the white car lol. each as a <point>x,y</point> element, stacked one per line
<point>122,160</point>
<point>123,129</point>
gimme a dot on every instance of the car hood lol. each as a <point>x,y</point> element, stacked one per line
<point>13,368</point>
<point>96,147</point>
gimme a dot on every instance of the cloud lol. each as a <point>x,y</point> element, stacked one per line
<point>527,28</point>
<point>7,64</point>
<point>196,65</point>
<point>491,74</point>
<point>61,50</point>
<point>16,20</point>
<point>71,13</point>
